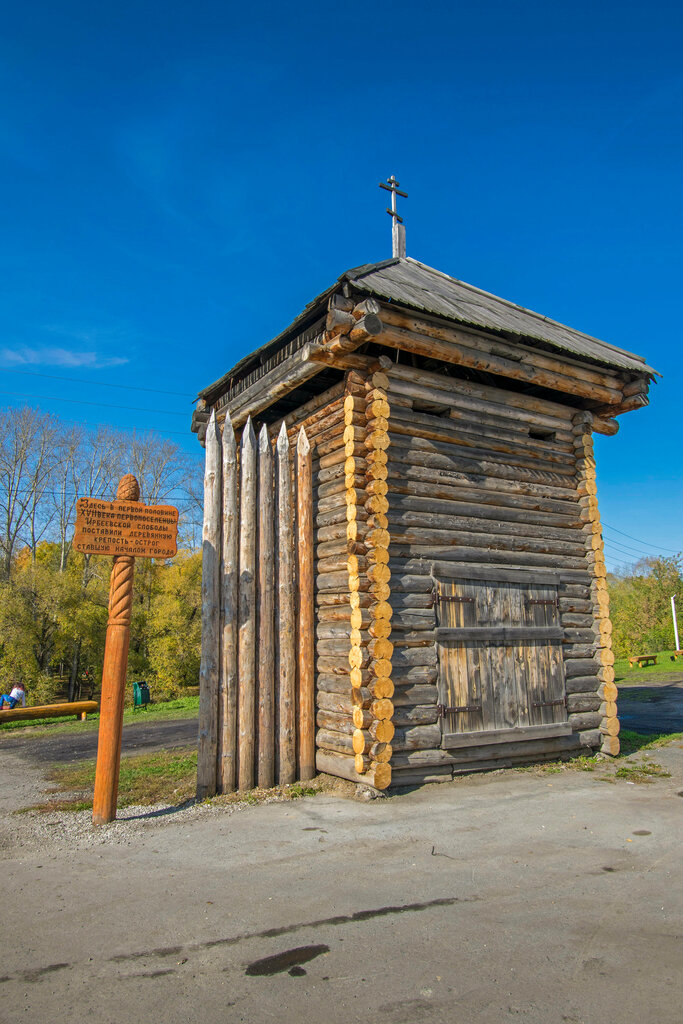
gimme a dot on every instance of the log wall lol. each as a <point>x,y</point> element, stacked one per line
<point>483,482</point>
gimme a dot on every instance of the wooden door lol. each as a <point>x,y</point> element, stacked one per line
<point>501,671</point>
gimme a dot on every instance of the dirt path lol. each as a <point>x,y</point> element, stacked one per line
<point>41,746</point>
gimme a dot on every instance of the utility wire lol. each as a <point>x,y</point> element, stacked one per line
<point>97,384</point>
<point>101,405</point>
<point>620,563</point>
<point>101,497</point>
<point>638,541</point>
<point>627,549</point>
<point>619,556</point>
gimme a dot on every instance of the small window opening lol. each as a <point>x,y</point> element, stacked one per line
<point>432,408</point>
<point>541,435</point>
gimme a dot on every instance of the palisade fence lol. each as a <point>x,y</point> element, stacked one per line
<point>257,689</point>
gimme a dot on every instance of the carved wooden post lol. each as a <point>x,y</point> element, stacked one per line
<point>114,674</point>
<point>209,667</point>
<point>306,633</point>
<point>126,529</point>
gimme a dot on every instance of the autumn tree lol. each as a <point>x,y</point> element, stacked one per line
<point>640,605</point>
<point>53,600</point>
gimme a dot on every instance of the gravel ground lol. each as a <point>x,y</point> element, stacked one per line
<point>29,831</point>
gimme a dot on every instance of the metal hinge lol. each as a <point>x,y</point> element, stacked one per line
<point>442,710</point>
<point>535,600</point>
<point>455,598</point>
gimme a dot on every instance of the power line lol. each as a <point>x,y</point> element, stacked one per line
<point>626,556</point>
<point>100,405</point>
<point>639,541</point>
<point>97,384</point>
<point>101,497</point>
<point>130,430</point>
<point>627,549</point>
<point>619,562</point>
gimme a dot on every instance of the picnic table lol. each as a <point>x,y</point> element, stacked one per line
<point>641,660</point>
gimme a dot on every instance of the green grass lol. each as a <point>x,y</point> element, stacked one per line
<point>643,771</point>
<point>627,676</point>
<point>184,707</point>
<point>166,777</point>
<point>631,742</point>
<point>621,767</point>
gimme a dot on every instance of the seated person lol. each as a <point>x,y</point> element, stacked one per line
<point>16,694</point>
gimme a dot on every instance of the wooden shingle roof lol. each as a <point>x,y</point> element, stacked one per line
<point>410,283</point>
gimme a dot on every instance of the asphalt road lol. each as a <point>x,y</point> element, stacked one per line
<point>547,899</point>
<point>657,707</point>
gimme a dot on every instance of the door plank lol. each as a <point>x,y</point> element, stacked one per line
<point>502,634</point>
<point>452,741</point>
<point>518,594</point>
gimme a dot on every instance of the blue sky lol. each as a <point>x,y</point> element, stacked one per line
<point>179,179</point>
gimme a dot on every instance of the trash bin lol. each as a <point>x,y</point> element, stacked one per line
<point>140,694</point>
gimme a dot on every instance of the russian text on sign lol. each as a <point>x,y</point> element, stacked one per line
<point>125,528</point>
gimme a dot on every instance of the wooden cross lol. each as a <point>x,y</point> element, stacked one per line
<point>398,231</point>
<point>126,529</point>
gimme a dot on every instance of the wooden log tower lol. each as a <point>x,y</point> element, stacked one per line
<point>404,575</point>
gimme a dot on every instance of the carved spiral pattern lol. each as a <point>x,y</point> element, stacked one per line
<point>121,583</point>
<point>121,590</point>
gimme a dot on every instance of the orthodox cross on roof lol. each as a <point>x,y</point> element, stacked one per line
<point>398,231</point>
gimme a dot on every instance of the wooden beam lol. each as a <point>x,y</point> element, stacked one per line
<point>556,363</point>
<point>288,375</point>
<point>637,401</point>
<point>450,352</point>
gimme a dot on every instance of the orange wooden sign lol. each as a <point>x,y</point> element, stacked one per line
<point>126,528</point>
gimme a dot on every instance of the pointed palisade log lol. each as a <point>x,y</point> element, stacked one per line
<point>246,720</point>
<point>266,616</point>
<point>210,661</point>
<point>306,632</point>
<point>286,614</point>
<point>227,720</point>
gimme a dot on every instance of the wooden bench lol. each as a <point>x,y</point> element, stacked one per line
<point>642,660</point>
<point>676,654</point>
<point>79,708</point>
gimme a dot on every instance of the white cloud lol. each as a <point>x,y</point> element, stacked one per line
<point>24,355</point>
